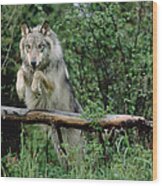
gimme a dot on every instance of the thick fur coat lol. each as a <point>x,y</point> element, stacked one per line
<point>43,80</point>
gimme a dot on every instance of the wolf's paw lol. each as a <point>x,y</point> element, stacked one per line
<point>36,84</point>
<point>36,87</point>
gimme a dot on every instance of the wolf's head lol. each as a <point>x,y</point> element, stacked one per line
<point>39,46</point>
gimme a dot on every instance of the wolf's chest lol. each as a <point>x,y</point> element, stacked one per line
<point>44,100</point>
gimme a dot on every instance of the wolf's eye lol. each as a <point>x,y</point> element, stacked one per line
<point>28,47</point>
<point>41,47</point>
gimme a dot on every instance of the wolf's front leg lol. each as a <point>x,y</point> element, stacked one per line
<point>20,84</point>
<point>40,82</point>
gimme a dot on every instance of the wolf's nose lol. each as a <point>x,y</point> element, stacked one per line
<point>33,63</point>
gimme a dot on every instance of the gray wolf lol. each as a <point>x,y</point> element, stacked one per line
<point>43,80</point>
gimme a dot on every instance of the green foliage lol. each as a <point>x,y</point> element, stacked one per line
<point>108,50</point>
<point>125,160</point>
<point>94,112</point>
<point>107,47</point>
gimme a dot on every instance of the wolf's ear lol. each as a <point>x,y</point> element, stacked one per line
<point>45,28</point>
<point>25,29</point>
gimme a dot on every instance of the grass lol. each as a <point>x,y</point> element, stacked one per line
<point>127,159</point>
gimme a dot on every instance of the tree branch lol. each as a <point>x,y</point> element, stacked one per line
<point>67,119</point>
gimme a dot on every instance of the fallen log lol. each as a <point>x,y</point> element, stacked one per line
<point>68,119</point>
<point>12,118</point>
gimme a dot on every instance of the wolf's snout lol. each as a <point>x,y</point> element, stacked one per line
<point>33,63</point>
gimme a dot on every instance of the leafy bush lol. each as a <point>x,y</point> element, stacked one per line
<point>107,47</point>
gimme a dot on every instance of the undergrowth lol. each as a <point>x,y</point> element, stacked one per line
<point>124,157</point>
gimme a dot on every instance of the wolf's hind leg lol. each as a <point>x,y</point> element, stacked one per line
<point>61,152</point>
<point>40,82</point>
<point>20,84</point>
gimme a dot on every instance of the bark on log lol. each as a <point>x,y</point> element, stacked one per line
<point>12,118</point>
<point>67,119</point>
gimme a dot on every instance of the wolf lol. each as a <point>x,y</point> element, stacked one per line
<point>43,81</point>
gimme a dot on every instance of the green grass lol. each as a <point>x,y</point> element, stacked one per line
<point>127,160</point>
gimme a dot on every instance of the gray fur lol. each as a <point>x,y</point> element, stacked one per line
<point>46,85</point>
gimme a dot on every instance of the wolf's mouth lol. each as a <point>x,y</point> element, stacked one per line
<point>34,68</point>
